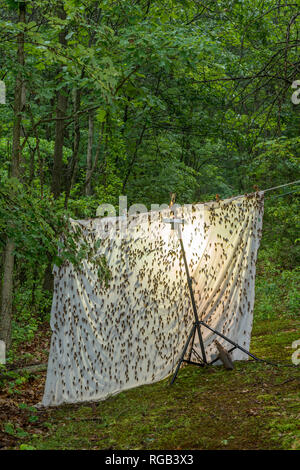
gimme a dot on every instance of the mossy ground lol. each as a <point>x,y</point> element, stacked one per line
<point>255,406</point>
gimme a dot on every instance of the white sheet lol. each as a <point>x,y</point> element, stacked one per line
<point>109,339</point>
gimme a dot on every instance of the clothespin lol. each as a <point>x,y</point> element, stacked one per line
<point>173,197</point>
<point>218,198</point>
<point>255,187</point>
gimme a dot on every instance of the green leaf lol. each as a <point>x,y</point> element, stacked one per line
<point>9,429</point>
<point>101,114</point>
<point>26,447</point>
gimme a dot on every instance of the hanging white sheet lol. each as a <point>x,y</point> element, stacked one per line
<point>131,332</point>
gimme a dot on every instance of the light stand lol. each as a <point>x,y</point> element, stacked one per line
<point>175,224</point>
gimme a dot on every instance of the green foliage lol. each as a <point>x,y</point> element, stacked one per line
<point>16,431</point>
<point>26,447</point>
<point>277,291</point>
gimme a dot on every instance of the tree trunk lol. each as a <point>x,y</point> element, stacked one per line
<point>61,108</point>
<point>6,294</point>
<point>134,157</point>
<point>89,155</point>
<point>8,257</point>
<point>72,169</point>
<point>59,144</point>
<point>48,282</point>
<point>97,153</point>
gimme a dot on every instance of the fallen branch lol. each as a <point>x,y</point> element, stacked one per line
<point>23,370</point>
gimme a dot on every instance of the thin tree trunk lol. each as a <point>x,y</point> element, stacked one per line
<point>138,143</point>
<point>71,173</point>
<point>7,293</point>
<point>48,282</point>
<point>61,108</point>
<point>41,163</point>
<point>89,155</point>
<point>134,157</point>
<point>59,144</point>
<point>31,166</point>
<point>100,139</point>
<point>8,262</point>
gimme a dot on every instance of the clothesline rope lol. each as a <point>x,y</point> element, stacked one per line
<point>281,186</point>
<point>269,189</point>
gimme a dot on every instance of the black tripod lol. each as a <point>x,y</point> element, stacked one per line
<point>197,323</point>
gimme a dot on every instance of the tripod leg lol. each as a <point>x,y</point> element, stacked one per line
<point>183,353</point>
<point>192,344</point>
<point>190,286</point>
<point>201,343</point>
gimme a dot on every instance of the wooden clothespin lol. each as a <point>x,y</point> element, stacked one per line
<point>173,197</point>
<point>218,198</point>
<point>255,187</point>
